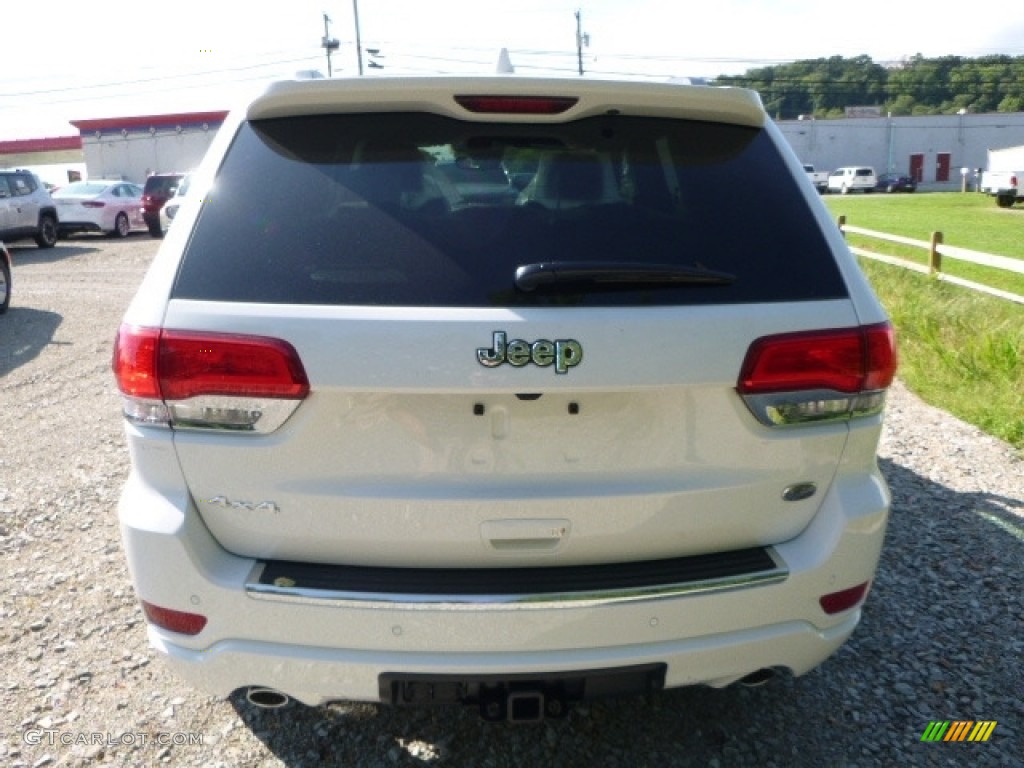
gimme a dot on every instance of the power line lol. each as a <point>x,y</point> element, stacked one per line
<point>405,57</point>
<point>159,79</point>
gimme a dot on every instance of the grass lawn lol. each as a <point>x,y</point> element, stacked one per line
<point>960,350</point>
<point>967,220</point>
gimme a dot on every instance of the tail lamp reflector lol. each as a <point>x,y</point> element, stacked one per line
<point>182,622</point>
<point>837,602</point>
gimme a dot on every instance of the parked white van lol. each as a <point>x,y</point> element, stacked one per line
<point>852,178</point>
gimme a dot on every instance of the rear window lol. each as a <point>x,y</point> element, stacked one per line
<point>22,184</point>
<point>161,185</point>
<point>423,210</point>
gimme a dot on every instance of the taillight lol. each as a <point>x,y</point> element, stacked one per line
<point>813,376</point>
<point>182,622</point>
<point>207,380</point>
<point>217,364</point>
<point>517,105</point>
<point>135,351</point>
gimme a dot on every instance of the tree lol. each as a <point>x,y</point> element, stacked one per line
<point>944,85</point>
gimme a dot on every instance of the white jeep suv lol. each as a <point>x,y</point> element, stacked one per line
<point>510,392</point>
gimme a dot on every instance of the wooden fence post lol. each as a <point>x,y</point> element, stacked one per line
<point>934,257</point>
<point>841,221</point>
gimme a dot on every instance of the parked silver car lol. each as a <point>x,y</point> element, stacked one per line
<point>26,209</point>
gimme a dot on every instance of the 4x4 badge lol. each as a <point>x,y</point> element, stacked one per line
<point>561,353</point>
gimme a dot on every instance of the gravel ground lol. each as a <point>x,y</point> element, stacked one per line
<point>941,637</point>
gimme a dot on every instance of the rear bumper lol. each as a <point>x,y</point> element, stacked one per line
<point>317,675</point>
<point>69,227</point>
<point>318,648</point>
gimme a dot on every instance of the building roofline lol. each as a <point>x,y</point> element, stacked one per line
<point>146,121</point>
<point>52,144</point>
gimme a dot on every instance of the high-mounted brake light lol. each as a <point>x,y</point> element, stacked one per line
<point>813,376</point>
<point>517,105</point>
<point>207,380</point>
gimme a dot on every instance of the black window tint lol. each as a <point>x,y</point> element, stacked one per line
<point>420,210</point>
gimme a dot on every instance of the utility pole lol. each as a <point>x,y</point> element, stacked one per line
<point>359,45</point>
<point>329,44</point>
<point>581,40</point>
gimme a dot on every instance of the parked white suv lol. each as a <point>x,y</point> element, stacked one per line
<point>26,209</point>
<point>853,178</point>
<point>501,391</point>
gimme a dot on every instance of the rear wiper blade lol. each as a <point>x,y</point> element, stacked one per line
<point>615,273</point>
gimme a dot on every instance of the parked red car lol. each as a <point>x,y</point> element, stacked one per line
<point>160,187</point>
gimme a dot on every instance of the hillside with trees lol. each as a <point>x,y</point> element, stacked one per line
<point>917,86</point>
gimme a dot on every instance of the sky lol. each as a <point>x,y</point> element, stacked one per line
<point>82,60</point>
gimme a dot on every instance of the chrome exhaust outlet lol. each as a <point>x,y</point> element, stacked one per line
<point>266,698</point>
<point>758,678</point>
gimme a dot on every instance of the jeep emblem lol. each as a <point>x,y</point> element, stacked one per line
<point>562,353</point>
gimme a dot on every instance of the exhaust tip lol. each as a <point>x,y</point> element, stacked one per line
<point>266,698</point>
<point>758,678</point>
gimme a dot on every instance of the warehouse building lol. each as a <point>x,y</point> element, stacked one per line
<point>936,150</point>
<point>129,148</point>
